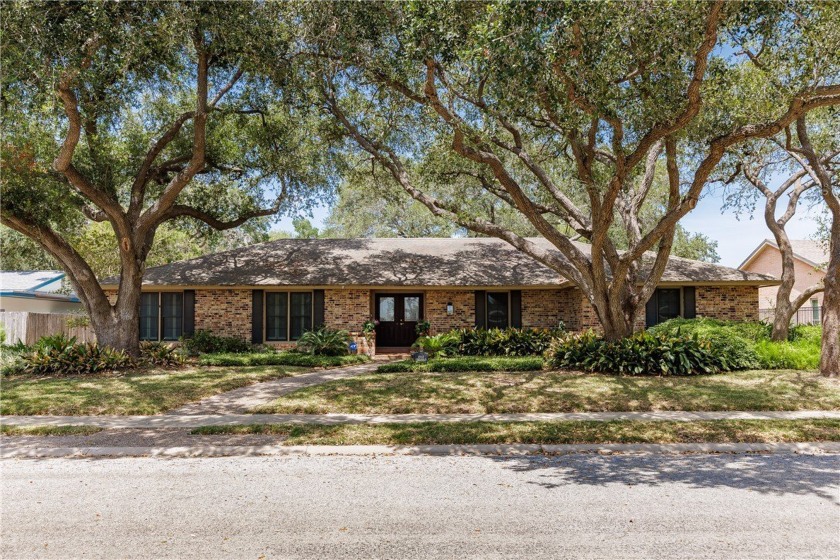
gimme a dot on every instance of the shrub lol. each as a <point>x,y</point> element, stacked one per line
<point>324,342</point>
<point>641,354</point>
<point>60,356</point>
<point>439,345</point>
<point>281,359</point>
<point>747,345</point>
<point>160,354</point>
<point>503,342</point>
<point>461,364</point>
<point>205,342</point>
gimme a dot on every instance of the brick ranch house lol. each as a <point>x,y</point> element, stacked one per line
<point>272,292</point>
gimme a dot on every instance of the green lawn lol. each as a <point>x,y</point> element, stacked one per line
<point>48,430</point>
<point>150,392</point>
<point>554,391</point>
<point>427,433</point>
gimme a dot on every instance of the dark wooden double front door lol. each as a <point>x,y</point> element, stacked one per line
<point>398,315</point>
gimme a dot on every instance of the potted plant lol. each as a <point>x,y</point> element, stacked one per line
<point>423,328</point>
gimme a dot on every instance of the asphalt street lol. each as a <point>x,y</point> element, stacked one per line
<point>579,506</point>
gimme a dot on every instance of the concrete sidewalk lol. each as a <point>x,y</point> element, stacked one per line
<point>195,451</point>
<point>196,420</point>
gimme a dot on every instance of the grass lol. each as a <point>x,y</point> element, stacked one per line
<point>48,430</point>
<point>558,391</point>
<point>149,392</point>
<point>466,363</point>
<point>427,433</point>
<point>280,359</point>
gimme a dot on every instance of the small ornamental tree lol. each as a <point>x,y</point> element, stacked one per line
<point>567,111</point>
<point>774,171</point>
<point>138,115</point>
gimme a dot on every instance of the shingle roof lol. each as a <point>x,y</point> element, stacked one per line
<point>432,262</point>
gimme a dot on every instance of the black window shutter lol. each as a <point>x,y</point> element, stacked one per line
<point>189,312</point>
<point>689,302</point>
<point>480,309</point>
<point>516,309</point>
<point>318,308</point>
<point>651,311</point>
<point>257,316</point>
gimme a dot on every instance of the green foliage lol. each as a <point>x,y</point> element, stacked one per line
<point>324,341</point>
<point>641,354</point>
<point>62,356</point>
<point>466,363</point>
<point>281,359</point>
<point>205,342</point>
<point>439,344</point>
<point>747,344</point>
<point>422,328</point>
<point>501,342</point>
<point>153,353</point>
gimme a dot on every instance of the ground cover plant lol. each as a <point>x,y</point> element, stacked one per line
<point>134,392</point>
<point>280,359</point>
<point>205,342</point>
<point>801,351</point>
<point>558,391</point>
<point>62,355</point>
<point>430,433</point>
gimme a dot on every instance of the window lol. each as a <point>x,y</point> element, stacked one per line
<point>276,316</point>
<point>387,309</point>
<point>301,316</point>
<point>497,310</point>
<point>815,310</point>
<point>172,314</point>
<point>287,315</point>
<point>149,316</point>
<point>411,308</point>
<point>161,315</point>
<point>668,304</point>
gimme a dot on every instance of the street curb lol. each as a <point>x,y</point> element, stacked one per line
<point>815,448</point>
<point>197,420</point>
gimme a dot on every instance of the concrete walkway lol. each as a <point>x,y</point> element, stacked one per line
<point>196,420</point>
<point>193,451</point>
<point>240,401</point>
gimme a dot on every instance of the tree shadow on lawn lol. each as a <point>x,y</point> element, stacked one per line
<point>767,474</point>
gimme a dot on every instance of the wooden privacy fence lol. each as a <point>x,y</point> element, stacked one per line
<point>29,327</point>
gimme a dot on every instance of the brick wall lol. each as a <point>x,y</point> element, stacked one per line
<point>464,312</point>
<point>734,303</point>
<point>544,308</point>
<point>346,309</point>
<point>226,312</point>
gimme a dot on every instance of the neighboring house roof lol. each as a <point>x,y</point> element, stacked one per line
<point>43,284</point>
<point>807,250</point>
<point>432,262</point>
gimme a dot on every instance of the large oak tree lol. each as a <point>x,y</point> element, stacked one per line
<point>137,115</point>
<point>566,111</point>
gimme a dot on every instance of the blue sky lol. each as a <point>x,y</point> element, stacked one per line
<point>736,237</point>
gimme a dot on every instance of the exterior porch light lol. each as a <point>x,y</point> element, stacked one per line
<point>450,309</point>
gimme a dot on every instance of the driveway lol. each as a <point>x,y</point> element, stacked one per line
<point>581,506</point>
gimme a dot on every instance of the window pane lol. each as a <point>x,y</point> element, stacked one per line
<point>301,313</point>
<point>172,314</point>
<point>497,310</point>
<point>386,309</point>
<point>669,304</point>
<point>276,314</point>
<point>149,316</point>
<point>412,308</point>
